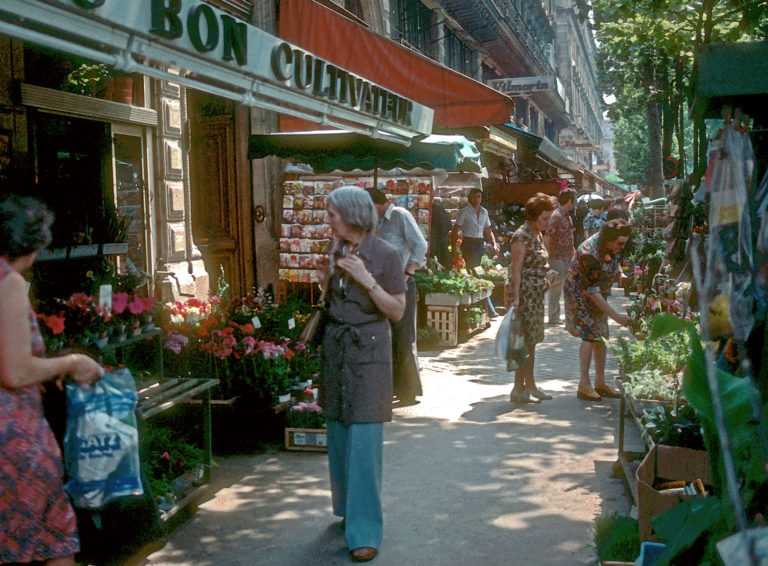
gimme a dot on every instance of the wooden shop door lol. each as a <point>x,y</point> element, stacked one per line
<point>221,220</point>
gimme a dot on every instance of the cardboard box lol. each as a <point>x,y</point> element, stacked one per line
<point>669,463</point>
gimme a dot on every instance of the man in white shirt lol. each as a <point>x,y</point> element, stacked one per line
<point>398,227</point>
<point>475,225</point>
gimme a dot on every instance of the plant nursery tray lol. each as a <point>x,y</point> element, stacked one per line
<point>307,439</point>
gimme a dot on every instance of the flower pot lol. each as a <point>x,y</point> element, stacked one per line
<point>102,341</point>
<point>123,90</point>
<point>284,398</point>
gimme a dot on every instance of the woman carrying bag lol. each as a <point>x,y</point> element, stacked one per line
<point>37,523</point>
<point>365,290</point>
<point>528,284</point>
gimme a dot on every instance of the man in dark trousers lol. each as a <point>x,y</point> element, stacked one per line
<point>439,236</point>
<point>398,227</point>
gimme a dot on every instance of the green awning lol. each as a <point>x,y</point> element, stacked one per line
<point>345,151</point>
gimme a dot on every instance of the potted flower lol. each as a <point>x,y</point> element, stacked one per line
<point>306,427</point>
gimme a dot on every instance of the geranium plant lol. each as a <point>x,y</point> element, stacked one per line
<point>244,342</point>
<point>306,415</point>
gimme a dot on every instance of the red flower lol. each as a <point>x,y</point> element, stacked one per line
<point>54,322</point>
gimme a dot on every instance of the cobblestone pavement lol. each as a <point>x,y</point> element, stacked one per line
<point>469,479</point>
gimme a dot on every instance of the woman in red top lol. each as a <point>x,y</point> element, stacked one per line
<point>37,523</point>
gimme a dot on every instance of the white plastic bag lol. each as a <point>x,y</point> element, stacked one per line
<point>101,443</point>
<point>510,341</point>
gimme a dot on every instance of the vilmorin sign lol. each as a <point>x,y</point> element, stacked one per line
<point>186,31</point>
<point>520,85</point>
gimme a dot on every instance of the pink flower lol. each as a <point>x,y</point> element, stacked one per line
<point>119,302</point>
<point>249,342</point>
<point>136,306</point>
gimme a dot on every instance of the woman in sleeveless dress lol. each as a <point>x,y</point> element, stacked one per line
<point>528,283</point>
<point>37,523</point>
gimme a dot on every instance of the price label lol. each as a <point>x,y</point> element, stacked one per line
<point>291,324</point>
<point>105,297</point>
<point>256,322</point>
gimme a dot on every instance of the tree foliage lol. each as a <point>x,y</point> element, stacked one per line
<point>645,58</point>
<point>630,148</point>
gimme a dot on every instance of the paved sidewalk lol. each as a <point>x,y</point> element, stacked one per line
<point>469,479</point>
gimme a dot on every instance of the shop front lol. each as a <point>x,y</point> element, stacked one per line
<point>132,119</point>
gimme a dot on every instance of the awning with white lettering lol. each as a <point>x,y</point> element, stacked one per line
<point>458,101</point>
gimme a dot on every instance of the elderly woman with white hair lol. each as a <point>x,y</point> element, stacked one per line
<point>366,289</point>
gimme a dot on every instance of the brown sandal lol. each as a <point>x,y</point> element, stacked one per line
<point>588,394</point>
<point>607,391</point>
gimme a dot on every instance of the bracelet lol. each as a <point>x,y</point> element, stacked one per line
<point>371,288</point>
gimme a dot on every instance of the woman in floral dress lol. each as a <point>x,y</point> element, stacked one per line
<point>37,523</point>
<point>528,283</point>
<point>594,269</point>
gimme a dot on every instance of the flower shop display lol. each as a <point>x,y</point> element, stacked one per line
<point>79,320</point>
<point>245,342</point>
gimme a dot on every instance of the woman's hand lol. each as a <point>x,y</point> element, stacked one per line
<point>84,369</point>
<point>356,269</point>
<point>621,319</point>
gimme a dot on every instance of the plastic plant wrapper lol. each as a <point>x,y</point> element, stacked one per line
<point>101,443</point>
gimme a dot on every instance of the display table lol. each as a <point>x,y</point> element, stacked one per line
<point>633,408</point>
<point>158,395</point>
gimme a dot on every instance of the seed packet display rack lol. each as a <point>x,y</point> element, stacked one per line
<point>304,234</point>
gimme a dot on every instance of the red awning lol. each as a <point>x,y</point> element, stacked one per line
<point>457,100</point>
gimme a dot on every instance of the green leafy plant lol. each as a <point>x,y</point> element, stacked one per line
<point>672,426</point>
<point>651,384</point>
<point>452,282</point>
<point>165,456</point>
<point>667,354</point>
<point>87,79</point>
<point>711,518</point>
<point>616,538</point>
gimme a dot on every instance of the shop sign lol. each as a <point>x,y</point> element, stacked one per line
<point>516,86</point>
<point>191,35</point>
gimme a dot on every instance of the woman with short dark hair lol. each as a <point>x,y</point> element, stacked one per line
<point>594,269</point>
<point>528,284</point>
<point>37,523</point>
<point>365,289</point>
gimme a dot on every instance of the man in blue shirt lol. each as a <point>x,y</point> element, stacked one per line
<point>398,227</point>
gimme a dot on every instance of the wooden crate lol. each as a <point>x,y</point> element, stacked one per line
<point>309,439</point>
<point>445,320</point>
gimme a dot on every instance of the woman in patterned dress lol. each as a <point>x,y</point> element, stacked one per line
<point>528,283</point>
<point>594,269</point>
<point>37,523</point>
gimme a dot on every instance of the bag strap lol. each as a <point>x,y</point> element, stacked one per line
<point>325,283</point>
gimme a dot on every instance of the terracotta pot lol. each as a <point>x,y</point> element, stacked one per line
<point>123,90</point>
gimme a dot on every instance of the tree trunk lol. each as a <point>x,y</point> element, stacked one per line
<point>655,172</point>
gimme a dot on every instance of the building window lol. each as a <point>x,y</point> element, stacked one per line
<point>458,56</point>
<point>354,7</point>
<point>413,25</point>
